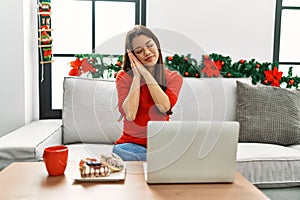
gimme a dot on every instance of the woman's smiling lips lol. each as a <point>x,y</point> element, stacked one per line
<point>149,58</point>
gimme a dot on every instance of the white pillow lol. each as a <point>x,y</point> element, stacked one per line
<point>207,99</point>
<point>90,113</point>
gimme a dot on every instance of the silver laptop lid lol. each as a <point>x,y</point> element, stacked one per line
<point>191,151</point>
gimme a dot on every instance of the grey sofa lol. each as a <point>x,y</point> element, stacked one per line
<point>90,125</point>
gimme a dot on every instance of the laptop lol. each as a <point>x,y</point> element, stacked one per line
<point>191,151</point>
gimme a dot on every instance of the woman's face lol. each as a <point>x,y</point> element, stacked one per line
<point>145,50</point>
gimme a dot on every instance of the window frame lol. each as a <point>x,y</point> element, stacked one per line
<point>45,70</point>
<point>277,33</point>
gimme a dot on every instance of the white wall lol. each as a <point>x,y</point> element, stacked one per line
<point>236,28</point>
<point>16,82</point>
<point>31,61</point>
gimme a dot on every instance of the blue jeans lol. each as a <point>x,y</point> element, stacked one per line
<point>130,151</point>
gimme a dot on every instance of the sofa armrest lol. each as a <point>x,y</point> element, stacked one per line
<point>28,142</point>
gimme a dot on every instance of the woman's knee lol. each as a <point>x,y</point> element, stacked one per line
<point>127,153</point>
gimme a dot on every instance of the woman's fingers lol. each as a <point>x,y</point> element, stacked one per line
<point>136,65</point>
<point>133,59</point>
<point>133,63</point>
<point>130,55</point>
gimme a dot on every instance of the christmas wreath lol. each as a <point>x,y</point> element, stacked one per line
<point>212,65</point>
<point>93,65</point>
<point>216,65</point>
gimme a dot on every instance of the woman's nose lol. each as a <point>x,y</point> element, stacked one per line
<point>146,51</point>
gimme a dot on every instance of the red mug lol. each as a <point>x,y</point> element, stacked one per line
<point>55,159</point>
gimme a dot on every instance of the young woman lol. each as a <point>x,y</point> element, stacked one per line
<point>147,91</point>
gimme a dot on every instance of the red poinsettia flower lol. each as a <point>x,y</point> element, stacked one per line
<point>76,64</point>
<point>86,66</point>
<point>218,64</point>
<point>273,76</point>
<point>75,72</point>
<point>211,68</point>
<point>93,70</point>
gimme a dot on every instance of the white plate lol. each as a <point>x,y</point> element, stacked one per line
<point>114,176</point>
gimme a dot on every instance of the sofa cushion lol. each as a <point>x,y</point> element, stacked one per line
<point>268,114</point>
<point>28,142</point>
<point>269,165</point>
<point>207,99</point>
<point>295,146</point>
<point>90,113</point>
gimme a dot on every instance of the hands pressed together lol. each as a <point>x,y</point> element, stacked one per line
<point>137,67</point>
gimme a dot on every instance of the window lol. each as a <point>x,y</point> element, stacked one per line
<point>287,33</point>
<point>80,27</point>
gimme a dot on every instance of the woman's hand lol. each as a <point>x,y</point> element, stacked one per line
<point>131,102</point>
<point>136,66</point>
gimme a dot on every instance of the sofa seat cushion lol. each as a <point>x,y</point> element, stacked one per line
<point>28,142</point>
<point>269,165</point>
<point>83,150</point>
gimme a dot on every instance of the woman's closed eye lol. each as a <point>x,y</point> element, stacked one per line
<point>140,49</point>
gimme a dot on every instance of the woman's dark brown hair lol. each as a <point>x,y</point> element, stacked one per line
<point>159,73</point>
